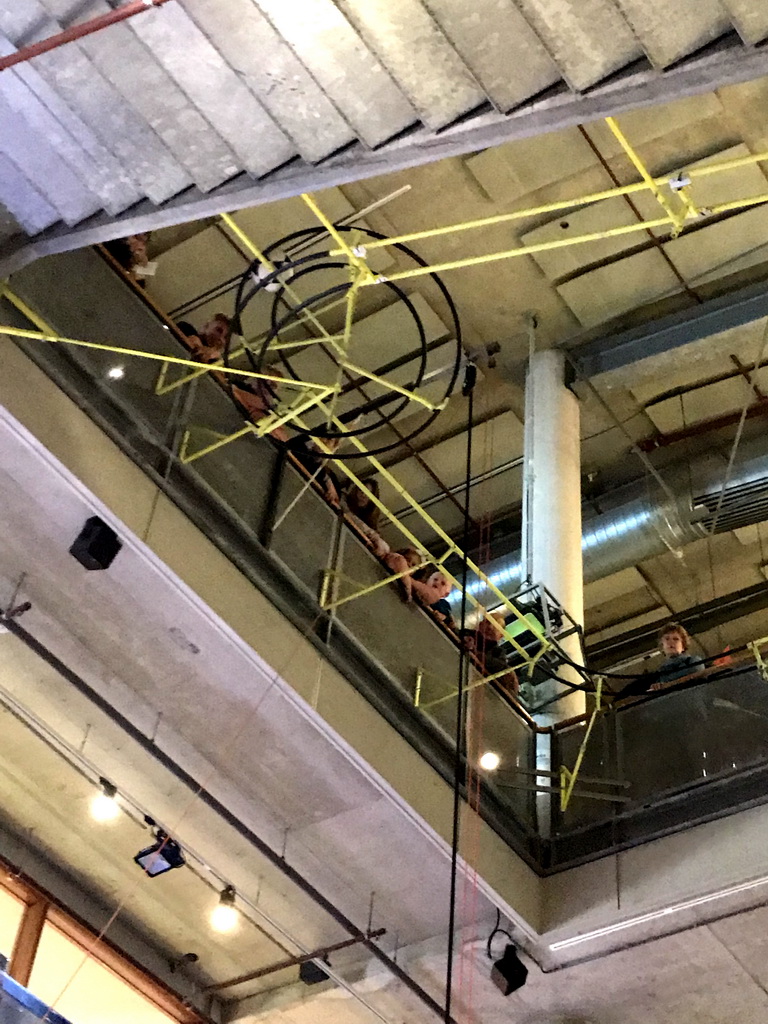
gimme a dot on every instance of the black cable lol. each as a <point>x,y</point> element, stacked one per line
<point>497,930</point>
<point>285,271</point>
<point>470,378</point>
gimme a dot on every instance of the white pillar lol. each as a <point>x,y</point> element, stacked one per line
<point>552,503</point>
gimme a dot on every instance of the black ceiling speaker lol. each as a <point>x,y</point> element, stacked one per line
<point>96,545</point>
<point>509,974</point>
<point>311,974</point>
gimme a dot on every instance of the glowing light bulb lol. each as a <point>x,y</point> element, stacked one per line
<point>225,916</point>
<point>116,373</point>
<point>104,805</point>
<point>490,761</point>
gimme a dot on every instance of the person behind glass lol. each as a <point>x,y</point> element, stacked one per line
<point>314,456</point>
<point>488,637</point>
<point>257,398</point>
<point>364,513</point>
<point>131,254</point>
<point>678,663</point>
<point>208,343</point>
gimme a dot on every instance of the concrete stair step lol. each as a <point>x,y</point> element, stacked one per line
<point>669,32</point>
<point>409,43</point>
<point>354,80</point>
<point>588,40</point>
<point>151,92</point>
<point>44,168</point>
<point>26,91</point>
<point>750,18</point>
<point>145,159</point>
<point>26,204</point>
<point>274,74</point>
<point>499,46</point>
<point>214,87</point>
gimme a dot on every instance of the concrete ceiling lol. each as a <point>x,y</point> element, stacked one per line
<point>242,101</point>
<point>287,775</point>
<point>229,717</point>
<point>577,293</point>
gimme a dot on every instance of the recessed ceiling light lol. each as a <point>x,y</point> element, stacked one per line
<point>490,761</point>
<point>116,372</point>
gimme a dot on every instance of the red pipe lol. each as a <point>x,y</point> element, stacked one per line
<point>86,28</point>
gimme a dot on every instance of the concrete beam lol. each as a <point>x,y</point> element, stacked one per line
<point>726,63</point>
<point>613,351</point>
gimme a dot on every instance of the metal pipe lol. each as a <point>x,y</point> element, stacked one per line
<point>650,444</point>
<point>74,32</point>
<point>294,961</point>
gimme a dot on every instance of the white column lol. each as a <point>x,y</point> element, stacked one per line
<point>552,502</point>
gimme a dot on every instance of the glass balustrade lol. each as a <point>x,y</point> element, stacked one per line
<point>641,754</point>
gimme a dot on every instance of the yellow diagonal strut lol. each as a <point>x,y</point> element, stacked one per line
<point>568,778</point>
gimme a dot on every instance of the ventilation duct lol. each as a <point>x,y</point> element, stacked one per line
<point>641,520</point>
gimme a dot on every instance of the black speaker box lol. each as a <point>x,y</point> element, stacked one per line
<point>509,974</point>
<point>311,974</point>
<point>96,545</point>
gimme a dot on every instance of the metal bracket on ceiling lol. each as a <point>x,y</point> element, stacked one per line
<point>15,607</point>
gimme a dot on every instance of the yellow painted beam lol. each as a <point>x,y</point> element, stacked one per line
<point>563,204</point>
<point>23,332</point>
<point>524,250</point>
<point>354,258</point>
<point>393,387</point>
<point>677,216</point>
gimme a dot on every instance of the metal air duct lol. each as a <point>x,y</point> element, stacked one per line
<point>640,520</point>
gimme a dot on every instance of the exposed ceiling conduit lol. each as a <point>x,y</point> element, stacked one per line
<point>85,28</point>
<point>640,521</point>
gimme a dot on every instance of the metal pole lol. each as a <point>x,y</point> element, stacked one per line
<point>294,961</point>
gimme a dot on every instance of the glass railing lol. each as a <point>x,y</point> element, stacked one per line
<point>250,500</point>
<point>255,503</point>
<point>671,758</point>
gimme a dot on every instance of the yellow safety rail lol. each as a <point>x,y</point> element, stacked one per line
<point>568,778</point>
<point>47,333</point>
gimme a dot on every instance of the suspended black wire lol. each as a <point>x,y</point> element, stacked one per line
<point>497,930</point>
<point>470,378</point>
<point>289,270</point>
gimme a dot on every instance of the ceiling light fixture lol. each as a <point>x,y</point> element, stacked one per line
<point>490,761</point>
<point>116,372</point>
<point>104,805</point>
<point>225,916</point>
<point>163,855</point>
